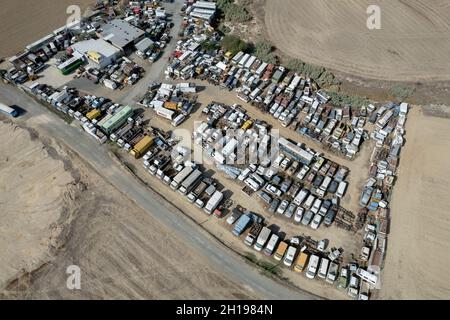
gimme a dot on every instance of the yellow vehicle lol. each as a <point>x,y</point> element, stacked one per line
<point>93,114</point>
<point>300,263</point>
<point>247,124</point>
<point>199,70</point>
<point>228,55</point>
<point>281,250</point>
<point>142,147</point>
<point>171,106</point>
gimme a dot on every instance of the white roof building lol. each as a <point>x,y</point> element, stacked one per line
<point>99,52</point>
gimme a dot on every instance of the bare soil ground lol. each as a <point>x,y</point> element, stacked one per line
<point>25,21</point>
<point>418,252</point>
<point>56,211</point>
<point>334,34</point>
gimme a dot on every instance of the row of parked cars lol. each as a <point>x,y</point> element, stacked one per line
<point>296,197</point>
<point>315,262</point>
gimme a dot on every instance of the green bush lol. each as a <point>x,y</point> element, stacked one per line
<point>233,12</point>
<point>402,92</point>
<point>341,99</point>
<point>209,45</point>
<point>320,75</point>
<point>234,44</point>
<point>264,51</point>
<point>223,29</point>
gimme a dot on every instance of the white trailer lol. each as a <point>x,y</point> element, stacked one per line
<point>294,83</point>
<point>214,202</point>
<point>110,84</point>
<point>179,178</point>
<point>8,110</point>
<point>261,69</point>
<point>237,57</point>
<point>249,62</point>
<point>189,182</point>
<point>244,59</point>
<point>165,113</point>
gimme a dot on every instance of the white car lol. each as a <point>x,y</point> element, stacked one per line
<point>334,255</point>
<point>283,206</point>
<point>273,190</point>
<point>316,221</point>
<point>299,215</point>
<point>321,246</point>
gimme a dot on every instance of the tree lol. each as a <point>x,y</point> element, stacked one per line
<point>232,11</point>
<point>233,43</point>
<point>264,51</point>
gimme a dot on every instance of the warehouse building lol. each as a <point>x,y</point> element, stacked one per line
<point>113,123</point>
<point>122,34</point>
<point>98,52</point>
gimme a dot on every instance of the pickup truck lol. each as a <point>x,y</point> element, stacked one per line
<point>253,234</point>
<point>343,278</point>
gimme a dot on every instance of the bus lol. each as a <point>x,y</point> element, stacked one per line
<point>8,110</point>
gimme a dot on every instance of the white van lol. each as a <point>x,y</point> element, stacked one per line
<point>290,255</point>
<point>244,174</point>
<point>323,270</point>
<point>178,120</point>
<point>323,188</point>
<point>313,263</point>
<point>341,189</point>
<point>309,202</point>
<point>332,272</point>
<point>262,239</point>
<point>316,206</point>
<point>271,245</point>
<point>300,197</point>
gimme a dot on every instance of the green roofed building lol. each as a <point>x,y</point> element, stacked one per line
<point>119,118</point>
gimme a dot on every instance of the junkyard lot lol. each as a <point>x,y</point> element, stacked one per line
<point>348,241</point>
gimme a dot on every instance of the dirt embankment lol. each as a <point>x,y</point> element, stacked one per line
<point>56,212</point>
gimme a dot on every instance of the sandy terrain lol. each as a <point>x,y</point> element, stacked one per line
<point>25,21</point>
<point>69,215</point>
<point>419,242</point>
<point>34,189</point>
<point>334,34</point>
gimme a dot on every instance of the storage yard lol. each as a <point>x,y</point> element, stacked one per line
<point>255,153</point>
